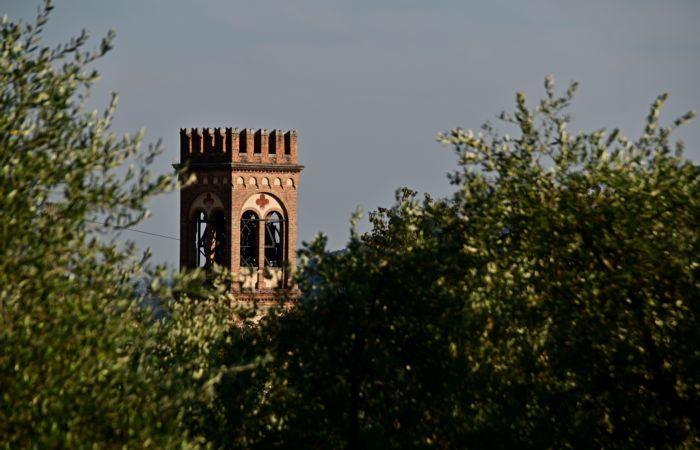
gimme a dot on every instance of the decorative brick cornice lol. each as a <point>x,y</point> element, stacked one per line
<point>242,166</point>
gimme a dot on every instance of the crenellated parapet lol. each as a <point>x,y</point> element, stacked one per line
<point>233,145</point>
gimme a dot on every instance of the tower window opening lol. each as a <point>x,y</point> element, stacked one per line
<point>272,146</point>
<point>201,238</point>
<point>210,239</point>
<point>219,229</point>
<point>274,225</point>
<point>257,142</point>
<point>243,143</point>
<point>219,142</point>
<point>249,239</point>
<point>287,144</point>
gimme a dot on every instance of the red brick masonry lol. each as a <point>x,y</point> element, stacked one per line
<point>234,165</point>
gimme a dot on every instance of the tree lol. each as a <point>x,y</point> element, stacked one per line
<point>590,278</point>
<point>85,360</point>
<point>551,302</point>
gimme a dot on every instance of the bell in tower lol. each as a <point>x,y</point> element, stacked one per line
<point>241,212</point>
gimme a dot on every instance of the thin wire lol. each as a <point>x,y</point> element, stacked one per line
<point>135,230</point>
<point>56,192</point>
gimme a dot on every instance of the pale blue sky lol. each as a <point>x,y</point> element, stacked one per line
<point>368,84</point>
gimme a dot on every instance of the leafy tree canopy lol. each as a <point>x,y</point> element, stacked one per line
<point>551,302</point>
<point>85,360</point>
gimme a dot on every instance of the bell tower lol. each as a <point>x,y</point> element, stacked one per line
<point>241,212</point>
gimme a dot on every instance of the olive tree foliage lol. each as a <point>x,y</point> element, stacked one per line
<point>585,251</point>
<point>551,302</point>
<point>84,360</point>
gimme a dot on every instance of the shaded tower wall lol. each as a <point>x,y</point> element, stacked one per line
<point>251,172</point>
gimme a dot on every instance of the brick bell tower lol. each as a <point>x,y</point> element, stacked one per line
<point>241,212</point>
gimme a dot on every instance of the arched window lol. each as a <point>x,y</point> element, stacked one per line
<point>200,223</point>
<point>274,226</point>
<point>219,238</point>
<point>210,238</point>
<point>249,239</point>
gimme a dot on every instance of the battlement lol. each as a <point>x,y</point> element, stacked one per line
<point>229,145</point>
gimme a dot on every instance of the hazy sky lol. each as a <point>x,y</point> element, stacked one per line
<point>369,84</point>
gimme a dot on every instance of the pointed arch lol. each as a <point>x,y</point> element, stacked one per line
<point>209,232</point>
<point>249,239</point>
<point>274,240</point>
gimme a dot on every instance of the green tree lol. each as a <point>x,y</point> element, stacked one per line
<point>551,302</point>
<point>84,360</point>
<point>589,276</point>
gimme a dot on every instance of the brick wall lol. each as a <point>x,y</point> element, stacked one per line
<point>235,165</point>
